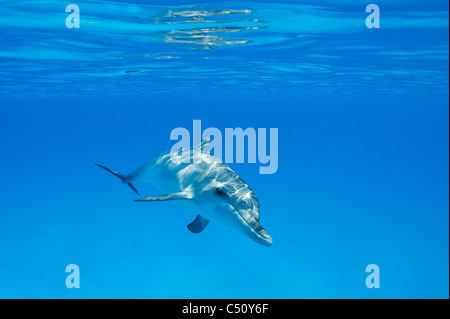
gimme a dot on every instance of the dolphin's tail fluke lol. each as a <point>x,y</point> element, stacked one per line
<point>120,176</point>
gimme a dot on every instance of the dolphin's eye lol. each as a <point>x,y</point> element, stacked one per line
<point>220,192</point>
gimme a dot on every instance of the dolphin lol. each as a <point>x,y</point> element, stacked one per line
<point>203,184</point>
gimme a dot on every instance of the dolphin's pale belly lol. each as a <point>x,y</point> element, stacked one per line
<point>205,210</point>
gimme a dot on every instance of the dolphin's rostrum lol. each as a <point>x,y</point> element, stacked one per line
<point>205,185</point>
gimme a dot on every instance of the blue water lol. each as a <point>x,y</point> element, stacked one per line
<point>363,143</point>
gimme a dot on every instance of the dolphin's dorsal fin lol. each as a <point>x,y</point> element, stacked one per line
<point>198,224</point>
<point>205,145</point>
<point>171,196</point>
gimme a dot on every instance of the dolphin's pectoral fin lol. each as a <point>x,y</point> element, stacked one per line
<point>171,196</point>
<point>198,224</point>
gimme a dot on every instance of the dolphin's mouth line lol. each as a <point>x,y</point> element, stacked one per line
<point>249,226</point>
